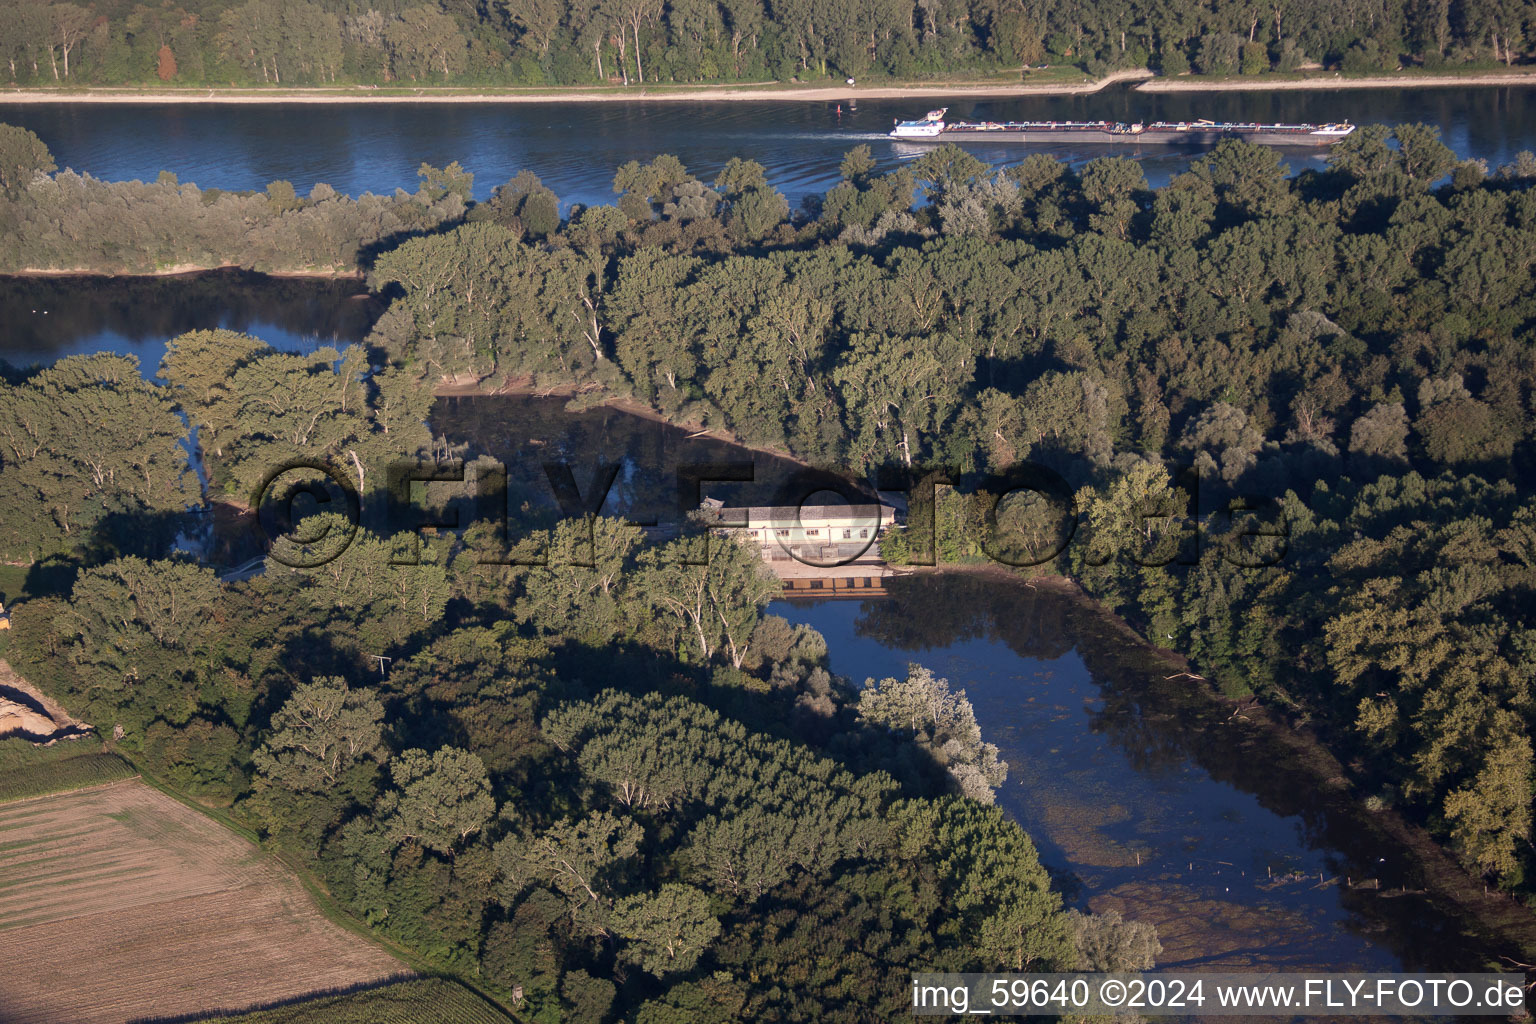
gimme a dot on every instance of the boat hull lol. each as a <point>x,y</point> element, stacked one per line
<point>1193,137</point>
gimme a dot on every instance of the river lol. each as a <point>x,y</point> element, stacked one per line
<point>575,147</point>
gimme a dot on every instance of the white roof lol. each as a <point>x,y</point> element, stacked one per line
<point>762,515</point>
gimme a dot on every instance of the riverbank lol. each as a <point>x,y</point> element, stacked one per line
<point>1062,81</point>
<point>1493,923</point>
<point>638,94</point>
<point>1391,872</point>
<point>1334,80</point>
<point>185,270</point>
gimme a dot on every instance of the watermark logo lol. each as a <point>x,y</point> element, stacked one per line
<point>1025,516</point>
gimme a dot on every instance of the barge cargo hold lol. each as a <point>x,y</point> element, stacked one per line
<point>933,128</point>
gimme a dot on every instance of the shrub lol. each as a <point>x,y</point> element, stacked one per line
<point>1255,59</point>
<point>1367,56</point>
<point>1171,61</point>
<point>1291,57</point>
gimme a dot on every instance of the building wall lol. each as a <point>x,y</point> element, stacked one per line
<point>821,538</point>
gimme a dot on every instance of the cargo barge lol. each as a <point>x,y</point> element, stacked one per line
<point>933,128</point>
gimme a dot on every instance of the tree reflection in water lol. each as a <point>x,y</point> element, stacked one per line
<point>1164,800</point>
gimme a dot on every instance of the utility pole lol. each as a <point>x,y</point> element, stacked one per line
<point>382,662</point>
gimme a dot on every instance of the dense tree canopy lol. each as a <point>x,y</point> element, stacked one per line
<point>85,443</point>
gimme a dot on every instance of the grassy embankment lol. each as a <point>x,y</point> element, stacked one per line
<point>28,770</point>
<point>415,1001</point>
<point>1323,79</point>
<point>1057,79</point>
<point>1061,79</point>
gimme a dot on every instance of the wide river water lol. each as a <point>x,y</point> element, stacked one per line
<point>575,147</point>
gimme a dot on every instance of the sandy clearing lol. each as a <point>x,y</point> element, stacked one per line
<point>153,911</point>
<point>706,95</point>
<point>17,716</point>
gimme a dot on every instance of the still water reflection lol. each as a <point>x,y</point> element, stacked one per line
<point>1149,797</point>
<point>43,319</point>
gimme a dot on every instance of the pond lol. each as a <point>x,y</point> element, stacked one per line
<point>47,318</point>
<point>1147,794</point>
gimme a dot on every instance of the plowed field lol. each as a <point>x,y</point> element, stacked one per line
<point>118,903</point>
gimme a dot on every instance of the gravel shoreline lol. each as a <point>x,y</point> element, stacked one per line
<point>711,94</point>
<point>1146,82</point>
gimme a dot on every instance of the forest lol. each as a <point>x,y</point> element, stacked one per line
<point>635,42</point>
<point>1342,354</point>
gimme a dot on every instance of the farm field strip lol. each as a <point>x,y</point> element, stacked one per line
<point>44,853</point>
<point>17,874</point>
<point>122,903</point>
<point>30,781</point>
<point>57,901</point>
<point>413,1001</point>
<point>105,872</point>
<point>153,880</point>
<point>60,839</point>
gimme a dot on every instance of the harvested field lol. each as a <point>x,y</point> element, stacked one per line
<point>417,1001</point>
<point>118,903</point>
